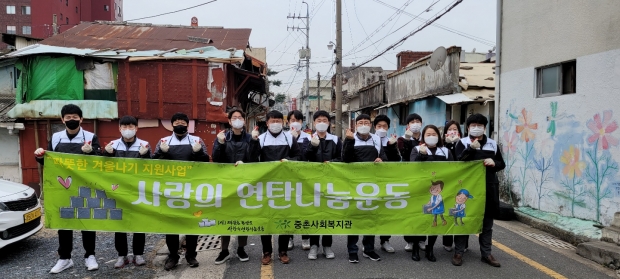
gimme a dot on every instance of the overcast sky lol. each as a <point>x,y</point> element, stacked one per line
<point>474,19</point>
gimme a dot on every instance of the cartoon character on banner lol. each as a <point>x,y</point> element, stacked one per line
<point>435,205</point>
<point>459,208</point>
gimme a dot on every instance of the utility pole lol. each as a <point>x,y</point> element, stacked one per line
<point>304,53</point>
<point>54,25</point>
<point>339,68</point>
<point>318,90</point>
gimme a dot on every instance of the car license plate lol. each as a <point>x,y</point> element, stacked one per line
<point>32,215</point>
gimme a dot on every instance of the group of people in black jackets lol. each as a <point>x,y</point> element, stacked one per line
<point>238,146</point>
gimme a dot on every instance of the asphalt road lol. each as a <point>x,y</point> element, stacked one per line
<point>538,260</point>
<point>518,248</point>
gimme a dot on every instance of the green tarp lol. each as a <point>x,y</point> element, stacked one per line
<point>47,78</point>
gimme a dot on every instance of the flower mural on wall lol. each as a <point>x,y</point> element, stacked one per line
<point>602,130</point>
<point>525,128</point>
<point>510,146</point>
<point>573,167</point>
<point>601,163</point>
<point>574,191</point>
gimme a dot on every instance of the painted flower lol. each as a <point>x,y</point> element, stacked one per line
<point>511,139</point>
<point>571,159</point>
<point>602,130</point>
<point>526,128</point>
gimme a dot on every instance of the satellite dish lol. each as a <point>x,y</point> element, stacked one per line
<point>438,58</point>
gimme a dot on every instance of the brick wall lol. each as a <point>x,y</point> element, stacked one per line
<point>404,58</point>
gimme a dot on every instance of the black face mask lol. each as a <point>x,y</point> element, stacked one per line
<point>180,129</point>
<point>72,124</point>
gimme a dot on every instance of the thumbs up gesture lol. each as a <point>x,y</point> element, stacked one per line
<point>163,146</point>
<point>87,148</point>
<point>144,149</point>
<point>475,145</point>
<point>392,139</point>
<point>255,133</point>
<point>294,133</point>
<point>197,146</point>
<point>221,137</point>
<point>315,141</point>
<point>423,149</point>
<point>350,133</point>
<point>109,148</point>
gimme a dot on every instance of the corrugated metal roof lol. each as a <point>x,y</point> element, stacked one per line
<point>115,35</point>
<point>209,53</point>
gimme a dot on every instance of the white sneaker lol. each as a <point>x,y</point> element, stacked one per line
<point>138,260</point>
<point>290,244</point>
<point>91,263</point>
<point>387,247</point>
<point>120,262</point>
<point>447,248</point>
<point>305,244</point>
<point>313,252</point>
<point>422,245</point>
<point>409,247</point>
<point>329,254</point>
<point>61,265</point>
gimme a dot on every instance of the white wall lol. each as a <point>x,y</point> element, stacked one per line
<point>536,33</point>
<point>9,157</point>
<point>575,123</point>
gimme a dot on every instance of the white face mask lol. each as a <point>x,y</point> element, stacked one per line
<point>415,127</point>
<point>363,130</point>
<point>238,123</point>
<point>296,126</point>
<point>476,131</point>
<point>321,127</point>
<point>275,127</point>
<point>128,134</point>
<point>382,133</point>
<point>431,141</point>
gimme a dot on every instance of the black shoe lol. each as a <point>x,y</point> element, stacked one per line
<point>192,262</point>
<point>371,255</point>
<point>415,254</point>
<point>171,263</point>
<point>242,255</point>
<point>430,254</point>
<point>353,258</point>
<point>223,257</point>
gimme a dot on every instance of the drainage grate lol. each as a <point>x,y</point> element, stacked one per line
<point>208,242</point>
<point>550,240</point>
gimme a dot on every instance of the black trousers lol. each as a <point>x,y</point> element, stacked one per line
<point>484,239</point>
<point>385,238</point>
<point>431,240</point>
<point>412,238</point>
<point>326,242</point>
<point>172,241</point>
<point>120,242</point>
<point>282,243</point>
<point>242,241</point>
<point>65,243</point>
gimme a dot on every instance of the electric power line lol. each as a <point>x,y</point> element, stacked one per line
<point>460,33</point>
<point>173,11</point>
<point>407,23</point>
<point>402,40</point>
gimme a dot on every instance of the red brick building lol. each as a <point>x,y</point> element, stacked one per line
<point>35,18</point>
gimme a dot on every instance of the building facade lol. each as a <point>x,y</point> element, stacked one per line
<point>35,18</point>
<point>559,76</point>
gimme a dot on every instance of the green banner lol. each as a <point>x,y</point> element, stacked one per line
<point>161,196</point>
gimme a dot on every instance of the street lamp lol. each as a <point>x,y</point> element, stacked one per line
<point>331,45</point>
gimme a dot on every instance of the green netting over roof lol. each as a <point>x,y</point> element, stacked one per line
<point>47,78</point>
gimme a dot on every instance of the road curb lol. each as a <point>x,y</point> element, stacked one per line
<point>605,253</point>
<point>545,226</point>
